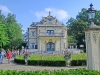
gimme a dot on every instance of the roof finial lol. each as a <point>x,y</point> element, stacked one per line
<point>49,13</point>
<point>91,5</point>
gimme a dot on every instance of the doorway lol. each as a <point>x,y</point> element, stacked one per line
<point>50,46</point>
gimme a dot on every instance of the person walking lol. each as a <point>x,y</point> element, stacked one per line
<point>2,55</point>
<point>9,55</point>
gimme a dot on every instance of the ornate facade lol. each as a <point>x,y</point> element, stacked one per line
<point>47,35</point>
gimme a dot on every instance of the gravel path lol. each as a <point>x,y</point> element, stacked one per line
<point>14,66</point>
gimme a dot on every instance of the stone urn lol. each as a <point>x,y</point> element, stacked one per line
<point>68,62</point>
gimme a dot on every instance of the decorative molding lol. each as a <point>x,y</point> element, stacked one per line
<point>95,36</point>
<point>50,40</point>
<point>88,37</point>
<point>54,21</point>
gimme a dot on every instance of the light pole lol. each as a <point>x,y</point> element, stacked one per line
<point>25,45</point>
<point>92,42</point>
<point>91,14</point>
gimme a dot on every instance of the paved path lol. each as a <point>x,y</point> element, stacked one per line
<point>14,66</point>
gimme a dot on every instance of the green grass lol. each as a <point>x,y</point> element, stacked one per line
<point>81,56</point>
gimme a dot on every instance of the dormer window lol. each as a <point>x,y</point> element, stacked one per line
<point>50,21</point>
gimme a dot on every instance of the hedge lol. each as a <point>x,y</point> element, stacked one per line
<point>51,63</point>
<point>48,72</point>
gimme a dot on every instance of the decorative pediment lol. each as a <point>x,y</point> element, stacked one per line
<point>49,20</point>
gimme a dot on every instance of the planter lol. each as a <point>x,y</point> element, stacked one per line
<point>68,62</point>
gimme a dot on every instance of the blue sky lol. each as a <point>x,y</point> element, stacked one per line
<point>28,11</point>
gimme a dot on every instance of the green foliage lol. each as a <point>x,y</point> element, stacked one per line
<point>10,32</point>
<point>67,55</point>
<point>97,17</point>
<point>78,62</point>
<point>81,56</point>
<point>52,60</point>
<point>54,72</point>
<point>14,31</point>
<point>71,40</point>
<point>3,35</point>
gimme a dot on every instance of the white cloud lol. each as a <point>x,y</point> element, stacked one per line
<point>58,13</point>
<point>4,9</point>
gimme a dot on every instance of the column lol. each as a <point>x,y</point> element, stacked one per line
<point>92,36</point>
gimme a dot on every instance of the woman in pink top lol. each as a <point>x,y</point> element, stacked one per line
<point>9,55</point>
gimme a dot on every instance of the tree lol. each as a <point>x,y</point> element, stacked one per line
<point>3,35</point>
<point>14,31</point>
<point>76,26</point>
<point>97,17</point>
<point>10,31</point>
<point>2,18</point>
<point>71,41</point>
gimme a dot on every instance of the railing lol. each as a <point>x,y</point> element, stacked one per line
<point>44,34</point>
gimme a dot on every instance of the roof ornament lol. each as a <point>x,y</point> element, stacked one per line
<point>49,13</point>
<point>91,5</point>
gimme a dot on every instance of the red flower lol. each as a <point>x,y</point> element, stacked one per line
<point>26,53</point>
<point>67,55</point>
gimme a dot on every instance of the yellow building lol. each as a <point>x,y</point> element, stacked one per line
<point>47,35</point>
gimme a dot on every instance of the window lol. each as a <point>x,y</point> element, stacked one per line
<point>32,33</point>
<point>36,46</point>
<point>33,45</point>
<point>50,21</point>
<point>50,32</point>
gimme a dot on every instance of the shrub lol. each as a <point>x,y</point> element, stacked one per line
<point>48,72</point>
<point>78,62</point>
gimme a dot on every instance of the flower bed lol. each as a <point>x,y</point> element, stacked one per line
<point>48,72</point>
<point>52,60</point>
